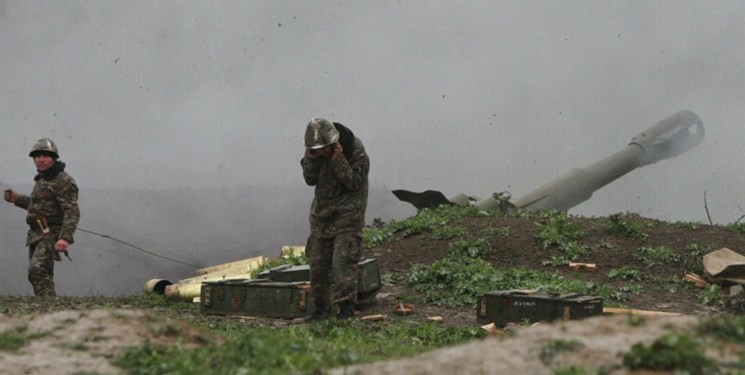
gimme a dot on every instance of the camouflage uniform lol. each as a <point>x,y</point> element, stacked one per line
<point>55,197</point>
<point>337,217</point>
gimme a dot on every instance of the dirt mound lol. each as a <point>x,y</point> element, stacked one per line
<point>83,341</point>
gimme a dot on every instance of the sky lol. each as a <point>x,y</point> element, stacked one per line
<point>457,96</point>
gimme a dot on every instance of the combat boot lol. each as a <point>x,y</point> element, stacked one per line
<point>346,310</point>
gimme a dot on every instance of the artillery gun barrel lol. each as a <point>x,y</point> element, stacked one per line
<point>668,138</point>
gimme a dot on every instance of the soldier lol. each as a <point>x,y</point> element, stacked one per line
<point>335,163</point>
<point>53,215</point>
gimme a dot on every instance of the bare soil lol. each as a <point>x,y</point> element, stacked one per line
<point>88,332</point>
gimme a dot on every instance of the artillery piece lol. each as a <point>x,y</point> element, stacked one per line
<point>668,138</point>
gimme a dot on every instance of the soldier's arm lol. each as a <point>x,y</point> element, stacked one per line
<point>22,201</point>
<point>352,173</point>
<point>310,170</point>
<point>67,197</point>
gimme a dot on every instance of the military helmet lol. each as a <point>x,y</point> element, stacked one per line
<point>44,145</point>
<point>320,133</point>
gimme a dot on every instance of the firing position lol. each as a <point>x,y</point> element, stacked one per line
<point>336,164</point>
<point>52,217</point>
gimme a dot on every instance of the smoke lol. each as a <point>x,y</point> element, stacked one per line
<point>182,121</point>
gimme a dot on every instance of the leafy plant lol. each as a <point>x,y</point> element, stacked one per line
<point>497,231</point>
<point>656,256</point>
<point>694,255</point>
<point>556,347</point>
<point>294,349</point>
<point>479,248</point>
<point>711,295</point>
<point>626,273</point>
<point>555,229</point>
<point>293,260</point>
<point>736,227</point>
<point>453,282</point>
<point>426,220</point>
<point>627,225</point>
<point>14,339</point>
<point>447,232</point>
<point>670,353</point>
<point>686,225</point>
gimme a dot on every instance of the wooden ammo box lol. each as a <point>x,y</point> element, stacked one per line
<point>368,279</point>
<point>262,298</point>
<point>514,306</point>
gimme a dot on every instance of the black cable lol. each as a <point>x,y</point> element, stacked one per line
<point>137,248</point>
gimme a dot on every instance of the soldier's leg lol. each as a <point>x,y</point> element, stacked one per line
<point>319,254</point>
<point>41,269</point>
<point>347,250</point>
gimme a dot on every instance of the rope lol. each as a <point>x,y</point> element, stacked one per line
<point>137,248</point>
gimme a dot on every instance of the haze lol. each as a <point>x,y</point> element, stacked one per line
<point>183,121</point>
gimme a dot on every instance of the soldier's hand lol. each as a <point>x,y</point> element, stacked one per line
<point>337,151</point>
<point>10,195</point>
<point>61,245</point>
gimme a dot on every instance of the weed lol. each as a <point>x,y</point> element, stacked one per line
<point>296,349</point>
<point>656,256</point>
<point>730,328</point>
<point>14,339</point>
<point>694,257</point>
<point>426,220</point>
<point>632,288</point>
<point>292,260</point>
<point>626,273</point>
<point>670,353</point>
<point>556,347</point>
<point>470,248</point>
<point>627,225</point>
<point>390,278</point>
<point>446,232</point>
<point>555,229</point>
<point>686,225</point>
<point>453,282</point>
<point>711,295</point>
<point>736,227</point>
<point>497,231</point>
<point>574,370</point>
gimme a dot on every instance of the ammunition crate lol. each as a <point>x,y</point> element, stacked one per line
<point>512,306</point>
<point>260,298</point>
<point>368,276</point>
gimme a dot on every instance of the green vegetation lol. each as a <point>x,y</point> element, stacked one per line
<point>556,347</point>
<point>626,273</point>
<point>656,256</point>
<point>496,231</point>
<point>695,257</point>
<point>736,227</point>
<point>471,248</point>
<point>670,353</point>
<point>295,349</point>
<point>445,232</point>
<point>15,339</point>
<point>628,225</point>
<point>573,370</point>
<point>425,221</point>
<point>556,230</point>
<point>711,295</point>
<point>292,260</point>
<point>453,281</point>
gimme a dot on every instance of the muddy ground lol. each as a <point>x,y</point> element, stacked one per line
<point>88,332</point>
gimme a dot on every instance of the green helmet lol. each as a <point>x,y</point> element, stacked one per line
<point>44,145</point>
<point>320,133</point>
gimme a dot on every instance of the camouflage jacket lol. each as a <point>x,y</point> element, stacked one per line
<point>55,196</point>
<point>340,197</point>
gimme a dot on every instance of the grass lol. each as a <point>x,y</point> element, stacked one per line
<point>15,339</point>
<point>295,349</point>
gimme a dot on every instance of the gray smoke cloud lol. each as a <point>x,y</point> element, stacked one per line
<point>159,108</point>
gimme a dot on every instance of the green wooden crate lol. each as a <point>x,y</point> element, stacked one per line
<point>512,306</point>
<point>261,298</point>
<point>368,276</point>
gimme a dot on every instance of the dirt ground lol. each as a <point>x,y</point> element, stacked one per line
<point>87,332</point>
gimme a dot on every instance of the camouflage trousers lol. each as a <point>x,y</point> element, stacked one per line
<point>334,268</point>
<point>41,269</point>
